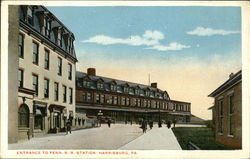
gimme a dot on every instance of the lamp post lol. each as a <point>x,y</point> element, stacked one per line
<point>99,116</point>
<point>174,118</point>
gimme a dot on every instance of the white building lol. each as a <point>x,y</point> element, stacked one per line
<point>46,74</point>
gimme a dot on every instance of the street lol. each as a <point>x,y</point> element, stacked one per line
<point>119,136</point>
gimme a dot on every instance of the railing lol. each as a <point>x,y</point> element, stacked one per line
<point>192,146</point>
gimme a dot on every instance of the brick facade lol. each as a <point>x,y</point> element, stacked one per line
<point>222,96</point>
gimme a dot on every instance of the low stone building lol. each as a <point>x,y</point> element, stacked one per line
<point>227,112</point>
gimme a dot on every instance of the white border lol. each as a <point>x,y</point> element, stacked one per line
<point>244,153</point>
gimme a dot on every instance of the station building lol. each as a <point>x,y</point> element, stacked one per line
<point>227,112</point>
<point>105,98</point>
<point>46,73</point>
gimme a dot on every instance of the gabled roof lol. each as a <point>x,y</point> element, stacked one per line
<point>231,81</point>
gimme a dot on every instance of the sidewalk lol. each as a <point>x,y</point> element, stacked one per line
<point>154,139</point>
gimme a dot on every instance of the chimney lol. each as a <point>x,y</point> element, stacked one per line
<point>91,71</point>
<point>231,75</point>
<point>154,85</point>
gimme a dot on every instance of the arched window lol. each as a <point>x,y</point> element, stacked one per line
<point>23,116</point>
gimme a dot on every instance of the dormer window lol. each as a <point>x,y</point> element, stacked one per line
<point>86,83</point>
<point>125,89</point>
<point>47,27</point>
<point>70,45</point>
<point>30,16</point>
<point>147,93</point>
<point>99,85</point>
<point>59,38</point>
<point>113,87</point>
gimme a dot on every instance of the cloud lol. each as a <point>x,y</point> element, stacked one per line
<point>149,38</point>
<point>201,31</point>
<point>170,47</point>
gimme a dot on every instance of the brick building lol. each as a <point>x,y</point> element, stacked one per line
<point>227,112</point>
<point>125,101</point>
<point>46,73</point>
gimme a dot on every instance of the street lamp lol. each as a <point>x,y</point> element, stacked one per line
<point>99,116</point>
<point>174,117</point>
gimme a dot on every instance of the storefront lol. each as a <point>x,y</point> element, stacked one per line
<point>57,120</point>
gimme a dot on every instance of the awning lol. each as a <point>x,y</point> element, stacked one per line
<point>180,113</point>
<point>38,112</point>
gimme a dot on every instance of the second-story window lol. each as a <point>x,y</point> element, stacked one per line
<point>97,98</point>
<point>69,71</point>
<point>59,66</point>
<point>35,53</point>
<point>64,94</point>
<point>21,45</point>
<point>89,97</point>
<point>70,95</point>
<point>123,101</point>
<point>115,101</point>
<point>20,78</point>
<point>127,101</point>
<point>46,88</point>
<point>102,98</point>
<point>56,91</point>
<point>46,59</point>
<point>35,83</point>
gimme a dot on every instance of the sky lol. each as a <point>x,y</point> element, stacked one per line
<point>188,51</point>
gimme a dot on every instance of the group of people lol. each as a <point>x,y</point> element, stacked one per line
<point>144,125</point>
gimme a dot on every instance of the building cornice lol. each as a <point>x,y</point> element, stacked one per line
<point>31,31</point>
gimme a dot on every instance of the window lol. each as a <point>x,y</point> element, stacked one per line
<point>21,45</point>
<point>64,94</point>
<point>123,101</point>
<point>99,85</point>
<point>59,38</point>
<point>127,101</point>
<point>102,98</point>
<point>47,26</point>
<point>136,91</point>
<point>113,87</point>
<point>23,116</point>
<point>139,103</point>
<point>46,88</point>
<point>35,53</point>
<point>46,59</point>
<point>30,16</point>
<point>125,89</point>
<point>220,116</point>
<point>230,114</point>
<point>97,98</point>
<point>70,46</point>
<point>70,95</point>
<point>35,83</point>
<point>115,100</point>
<point>69,71</point>
<point>56,90</point>
<point>86,83</point>
<point>89,97</point>
<point>59,66</point>
<point>20,78</point>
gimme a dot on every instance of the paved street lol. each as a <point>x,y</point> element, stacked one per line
<point>119,136</point>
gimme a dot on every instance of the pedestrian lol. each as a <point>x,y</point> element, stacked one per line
<point>174,122</point>
<point>159,124</point>
<point>151,124</point>
<point>68,126</point>
<point>144,126</point>
<point>109,123</point>
<point>169,124</point>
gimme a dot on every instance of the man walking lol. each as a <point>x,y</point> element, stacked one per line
<point>68,126</point>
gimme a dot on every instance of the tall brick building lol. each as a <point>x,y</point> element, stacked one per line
<point>125,101</point>
<point>227,112</point>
